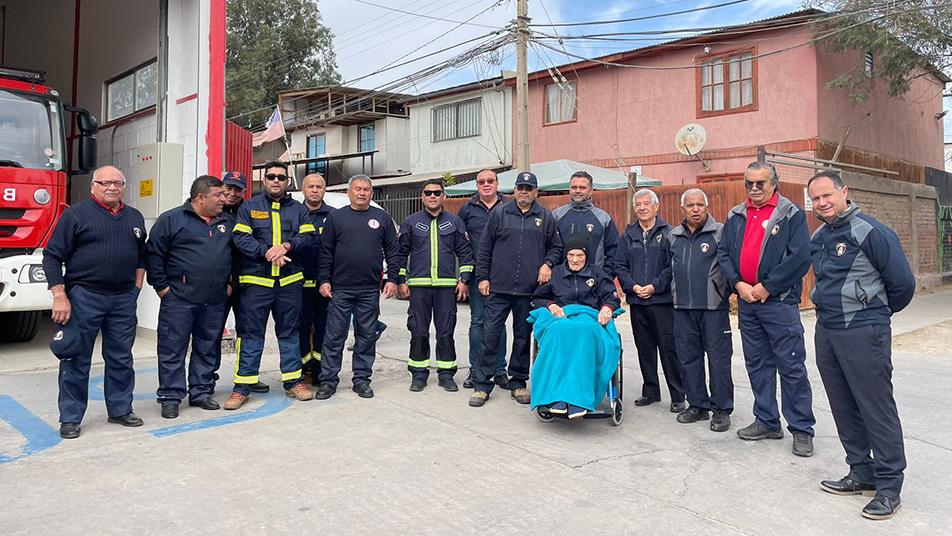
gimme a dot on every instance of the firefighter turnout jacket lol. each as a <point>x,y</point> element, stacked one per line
<point>430,247</point>
<point>263,223</point>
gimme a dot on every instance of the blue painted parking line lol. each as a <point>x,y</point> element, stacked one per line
<point>96,392</point>
<point>274,403</point>
<point>38,434</point>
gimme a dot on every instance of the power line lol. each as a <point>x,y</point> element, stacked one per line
<point>421,15</point>
<point>647,17</point>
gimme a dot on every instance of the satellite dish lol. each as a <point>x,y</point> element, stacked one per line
<point>690,139</point>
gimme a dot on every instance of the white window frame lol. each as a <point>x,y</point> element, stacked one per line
<point>136,107</point>
<point>451,113</point>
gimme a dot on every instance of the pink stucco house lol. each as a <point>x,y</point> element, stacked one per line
<point>773,96</point>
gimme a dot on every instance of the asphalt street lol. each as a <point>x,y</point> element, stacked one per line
<point>427,463</point>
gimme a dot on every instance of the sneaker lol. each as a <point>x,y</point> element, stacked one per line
<point>478,398</point>
<point>521,395</point>
<point>802,444</point>
<point>299,392</point>
<point>559,408</point>
<point>417,385</point>
<point>720,422</point>
<point>449,384</point>
<point>692,415</point>
<point>575,412</point>
<point>756,432</point>
<point>882,507</point>
<point>236,400</point>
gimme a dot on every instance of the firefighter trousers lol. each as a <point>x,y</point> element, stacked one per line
<point>438,304</point>
<point>283,303</point>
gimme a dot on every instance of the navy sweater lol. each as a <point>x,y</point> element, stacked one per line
<point>354,245</point>
<point>101,250</point>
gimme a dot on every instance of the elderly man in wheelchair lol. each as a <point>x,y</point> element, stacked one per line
<point>578,346</point>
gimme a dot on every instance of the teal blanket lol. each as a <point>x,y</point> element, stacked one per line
<point>577,357</point>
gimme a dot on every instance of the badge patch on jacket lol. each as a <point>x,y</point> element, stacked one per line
<point>445,225</point>
<point>260,214</point>
<point>775,230</point>
<point>373,224</point>
<point>421,226</point>
<point>221,228</point>
<point>590,227</point>
<point>137,231</point>
<point>590,282</point>
<point>538,222</point>
<point>705,247</point>
<point>840,249</point>
<point>658,238</point>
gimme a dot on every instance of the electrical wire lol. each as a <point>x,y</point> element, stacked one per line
<point>647,17</point>
<point>421,15</point>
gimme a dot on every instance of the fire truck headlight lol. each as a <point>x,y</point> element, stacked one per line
<point>42,196</point>
<point>37,275</point>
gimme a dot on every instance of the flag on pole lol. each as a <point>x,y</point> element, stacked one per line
<point>275,130</point>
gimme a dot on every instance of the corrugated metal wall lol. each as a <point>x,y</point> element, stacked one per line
<point>238,151</point>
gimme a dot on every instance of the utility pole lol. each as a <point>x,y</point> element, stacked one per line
<point>522,85</point>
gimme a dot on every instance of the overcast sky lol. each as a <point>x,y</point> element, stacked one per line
<point>368,38</point>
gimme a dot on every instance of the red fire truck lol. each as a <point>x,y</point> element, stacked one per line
<point>34,176</point>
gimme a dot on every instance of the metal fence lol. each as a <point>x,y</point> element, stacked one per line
<point>944,214</point>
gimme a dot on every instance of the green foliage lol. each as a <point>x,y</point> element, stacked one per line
<point>274,46</point>
<point>907,38</point>
<point>448,179</point>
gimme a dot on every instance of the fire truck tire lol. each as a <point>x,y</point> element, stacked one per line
<point>19,326</point>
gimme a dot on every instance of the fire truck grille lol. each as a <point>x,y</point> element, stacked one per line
<point>11,213</point>
<point>7,231</point>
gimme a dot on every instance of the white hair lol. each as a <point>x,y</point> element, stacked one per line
<point>359,177</point>
<point>693,191</point>
<point>100,168</point>
<point>645,192</point>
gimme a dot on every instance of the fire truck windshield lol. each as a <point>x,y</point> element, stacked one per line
<point>31,132</point>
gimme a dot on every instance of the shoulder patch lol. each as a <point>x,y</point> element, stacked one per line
<point>260,214</point>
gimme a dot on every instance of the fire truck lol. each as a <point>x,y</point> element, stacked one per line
<point>34,176</point>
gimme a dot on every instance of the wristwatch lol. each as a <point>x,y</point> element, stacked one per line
<point>547,263</point>
<point>287,246</point>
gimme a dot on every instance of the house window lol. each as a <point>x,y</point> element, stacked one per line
<point>315,148</point>
<point>559,103</point>
<point>367,138</point>
<point>457,120</point>
<point>869,65</point>
<point>727,84</point>
<point>132,92</point>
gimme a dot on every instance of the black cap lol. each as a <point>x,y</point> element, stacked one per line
<point>235,178</point>
<point>577,241</point>
<point>68,341</point>
<point>527,178</point>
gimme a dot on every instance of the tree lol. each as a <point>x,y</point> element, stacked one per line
<point>274,46</point>
<point>907,39</point>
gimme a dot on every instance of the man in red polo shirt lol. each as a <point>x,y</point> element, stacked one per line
<point>764,254</point>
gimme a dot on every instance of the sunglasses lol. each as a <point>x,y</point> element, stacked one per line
<point>485,181</point>
<point>276,177</point>
<point>432,193</point>
<point>758,185</point>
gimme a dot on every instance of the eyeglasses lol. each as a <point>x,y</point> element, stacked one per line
<point>485,181</point>
<point>110,184</point>
<point>432,193</point>
<point>751,185</point>
<point>275,177</point>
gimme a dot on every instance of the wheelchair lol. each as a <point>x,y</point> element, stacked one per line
<point>614,408</point>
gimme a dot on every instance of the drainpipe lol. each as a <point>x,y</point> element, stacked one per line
<point>162,100</point>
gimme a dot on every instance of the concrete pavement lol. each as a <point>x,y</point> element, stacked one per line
<point>426,463</point>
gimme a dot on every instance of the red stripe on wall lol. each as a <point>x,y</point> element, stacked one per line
<point>214,136</point>
<point>183,100</point>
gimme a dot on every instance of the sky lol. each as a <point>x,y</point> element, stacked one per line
<point>368,38</point>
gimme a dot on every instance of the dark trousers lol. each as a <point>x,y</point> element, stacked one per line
<point>653,329</point>
<point>312,329</point>
<point>497,309</point>
<point>179,320</point>
<point>364,305</point>
<point>773,342</point>
<point>438,304</point>
<point>257,303</point>
<point>477,303</point>
<point>697,332</point>
<point>115,316</point>
<point>856,368</point>
<point>233,303</point>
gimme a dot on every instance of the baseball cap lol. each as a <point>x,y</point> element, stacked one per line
<point>235,178</point>
<point>527,178</point>
<point>67,342</point>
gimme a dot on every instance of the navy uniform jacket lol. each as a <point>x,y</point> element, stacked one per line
<point>591,286</point>
<point>862,276</point>
<point>514,246</point>
<point>262,223</point>
<point>311,254</point>
<point>697,281</point>
<point>190,257</point>
<point>475,215</point>
<point>638,262</point>
<point>784,254</point>
<point>430,247</point>
<point>596,224</point>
